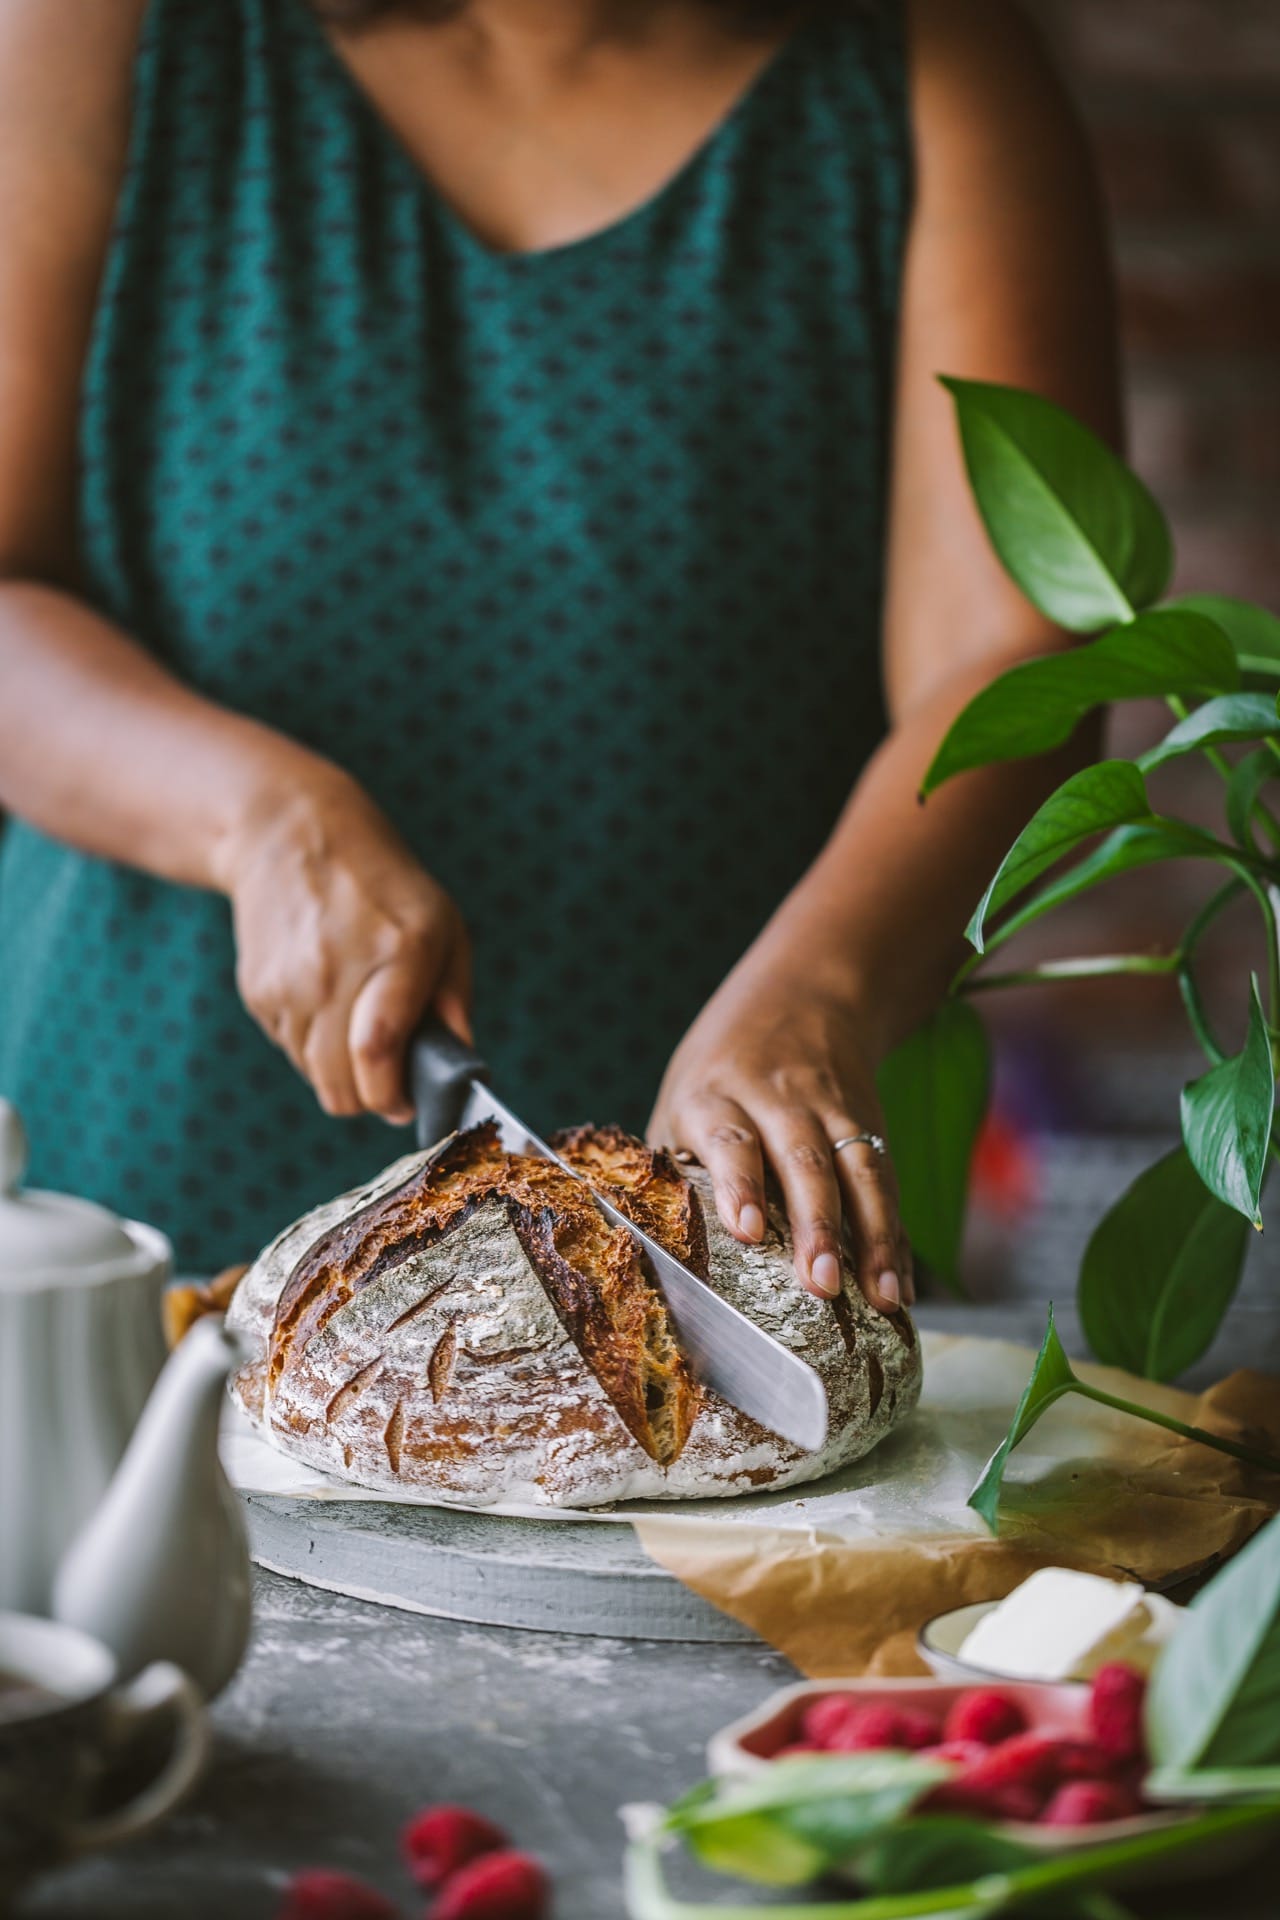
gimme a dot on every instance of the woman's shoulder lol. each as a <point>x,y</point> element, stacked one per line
<point>967,54</point>
<point>65,80</point>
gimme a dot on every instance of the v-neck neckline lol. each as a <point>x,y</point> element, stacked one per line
<point>626,223</point>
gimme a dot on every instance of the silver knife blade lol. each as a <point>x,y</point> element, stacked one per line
<point>729,1353</point>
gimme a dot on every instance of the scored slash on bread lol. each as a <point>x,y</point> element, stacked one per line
<point>591,1270</point>
<point>470,1328</point>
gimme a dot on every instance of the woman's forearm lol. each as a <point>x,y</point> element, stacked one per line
<point>102,748</point>
<point>880,916</point>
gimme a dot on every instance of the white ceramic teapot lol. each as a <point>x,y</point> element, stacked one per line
<point>114,1513</point>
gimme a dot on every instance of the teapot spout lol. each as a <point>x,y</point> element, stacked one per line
<point>161,1571</point>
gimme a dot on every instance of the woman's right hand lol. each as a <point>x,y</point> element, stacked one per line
<point>342,940</point>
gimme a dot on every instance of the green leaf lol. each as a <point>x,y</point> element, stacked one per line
<point>1252,631</point>
<point>1038,704</point>
<point>1212,1783</point>
<point>938,1851</point>
<point>1232,716</point>
<point>1226,1119</point>
<point>1089,802</point>
<point>933,1089</point>
<point>1121,851</point>
<point>1247,780</point>
<point>1060,1883</point>
<point>1160,1271</point>
<point>1051,1377</point>
<point>1071,523</point>
<point>1214,1698</point>
<point>757,1846</point>
<point>797,1818</point>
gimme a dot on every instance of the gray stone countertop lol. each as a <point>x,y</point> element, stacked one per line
<point>347,1717</point>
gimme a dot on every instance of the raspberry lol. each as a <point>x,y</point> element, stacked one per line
<point>918,1730</point>
<point>1016,1803</point>
<point>1082,1760</point>
<point>870,1726</point>
<point>823,1719</point>
<point>497,1886</point>
<point>321,1893</point>
<point>842,1723</point>
<point>1025,1760</point>
<point>985,1715</point>
<point>1115,1710</point>
<point>1083,1803</point>
<point>439,1840</point>
<point>1011,1781</point>
<point>963,1752</point>
<point>1009,1802</point>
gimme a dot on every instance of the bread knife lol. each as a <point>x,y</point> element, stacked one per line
<point>724,1349</point>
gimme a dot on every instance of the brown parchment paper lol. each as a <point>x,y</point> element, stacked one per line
<point>1089,1489</point>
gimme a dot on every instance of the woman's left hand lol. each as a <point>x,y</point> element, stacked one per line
<point>773,1071</point>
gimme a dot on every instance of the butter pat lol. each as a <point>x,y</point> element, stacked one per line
<point>1059,1625</point>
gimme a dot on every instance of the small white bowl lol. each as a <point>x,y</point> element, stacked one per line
<point>939,1642</point>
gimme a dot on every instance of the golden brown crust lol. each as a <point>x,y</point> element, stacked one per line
<point>591,1271</point>
<point>645,1184</point>
<point>450,1375</point>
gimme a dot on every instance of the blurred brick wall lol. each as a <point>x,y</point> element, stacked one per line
<point>1182,101</point>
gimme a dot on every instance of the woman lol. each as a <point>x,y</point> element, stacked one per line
<point>473,479</point>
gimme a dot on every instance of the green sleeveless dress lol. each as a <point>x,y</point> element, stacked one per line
<point>573,559</point>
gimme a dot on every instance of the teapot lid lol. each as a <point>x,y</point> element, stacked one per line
<point>48,1232</point>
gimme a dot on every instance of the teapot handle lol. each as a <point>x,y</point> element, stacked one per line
<point>161,1690</point>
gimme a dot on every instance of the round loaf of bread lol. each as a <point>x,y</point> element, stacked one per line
<point>472,1329</point>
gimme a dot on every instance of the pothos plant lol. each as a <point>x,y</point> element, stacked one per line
<point>1086,542</point>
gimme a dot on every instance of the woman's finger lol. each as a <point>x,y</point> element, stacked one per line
<point>326,1061</point>
<point>452,998</point>
<point>383,1016</point>
<point>288,1027</point>
<point>800,1153</point>
<point>866,1181</point>
<point>719,1132</point>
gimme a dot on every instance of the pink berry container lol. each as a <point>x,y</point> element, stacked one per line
<point>752,1742</point>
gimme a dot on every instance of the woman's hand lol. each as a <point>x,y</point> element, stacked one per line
<point>773,1071</point>
<point>342,941</point>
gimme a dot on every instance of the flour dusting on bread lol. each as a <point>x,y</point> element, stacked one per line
<point>470,1325</point>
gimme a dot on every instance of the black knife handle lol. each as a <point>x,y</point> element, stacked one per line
<point>441,1068</point>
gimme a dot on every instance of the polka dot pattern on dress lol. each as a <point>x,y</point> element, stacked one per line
<point>573,559</point>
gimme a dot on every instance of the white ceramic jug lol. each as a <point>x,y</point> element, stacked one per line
<point>115,1514</point>
<point>161,1571</point>
<point>80,1348</point>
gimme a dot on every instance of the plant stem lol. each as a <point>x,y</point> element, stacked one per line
<point>1100,1906</point>
<point>648,1899</point>
<point>1271,826</point>
<point>1092,966</point>
<point>1250,869</point>
<point>1195,1012</point>
<point>1266,898</point>
<point>1264,1460</point>
<point>1207,914</point>
<point>1200,925</point>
